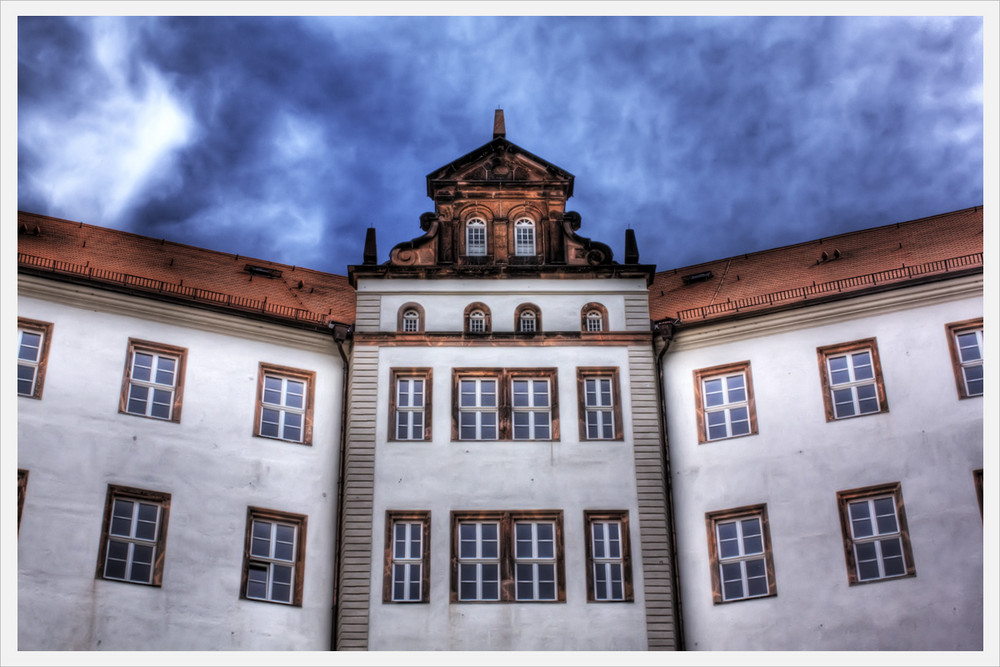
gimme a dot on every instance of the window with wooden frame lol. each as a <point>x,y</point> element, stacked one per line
<point>410,404</point>
<point>739,552</point>
<point>876,539</point>
<point>477,319</point>
<point>507,556</point>
<point>284,409</point>
<point>965,341</point>
<point>274,554</point>
<point>977,480</point>
<point>134,536</point>
<point>410,318</point>
<point>599,403</point>
<point>851,375</point>
<point>594,318</point>
<point>32,356</point>
<point>406,575</point>
<point>475,237</point>
<point>153,382</point>
<point>22,491</point>
<point>609,557</point>
<point>528,318</point>
<point>505,404</point>
<point>724,402</point>
<point>524,237</point>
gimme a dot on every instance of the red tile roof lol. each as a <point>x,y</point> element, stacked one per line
<point>174,271</point>
<point>940,245</point>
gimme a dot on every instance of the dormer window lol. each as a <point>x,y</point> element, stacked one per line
<point>477,322</point>
<point>411,321</point>
<point>475,237</point>
<point>527,322</point>
<point>524,237</point>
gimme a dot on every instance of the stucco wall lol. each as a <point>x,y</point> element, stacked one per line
<point>74,443</point>
<point>929,440</point>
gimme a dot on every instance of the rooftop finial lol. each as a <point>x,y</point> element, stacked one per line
<point>499,131</point>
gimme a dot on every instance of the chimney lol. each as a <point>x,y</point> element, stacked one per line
<point>371,252</point>
<point>631,247</point>
<point>499,131</point>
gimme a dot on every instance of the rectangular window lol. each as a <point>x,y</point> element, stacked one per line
<point>32,356</point>
<point>134,536</point>
<point>274,557</point>
<point>739,544</point>
<point>22,491</point>
<point>851,376</point>
<point>475,240</point>
<point>599,404</point>
<point>284,409</point>
<point>153,382</point>
<point>609,564</point>
<point>965,341</point>
<point>876,539</point>
<point>724,402</point>
<point>410,404</point>
<point>505,404</point>
<point>407,556</point>
<point>507,557</point>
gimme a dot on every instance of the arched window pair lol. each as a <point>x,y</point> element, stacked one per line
<point>475,237</point>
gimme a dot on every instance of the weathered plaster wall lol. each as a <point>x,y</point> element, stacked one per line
<point>74,443</point>
<point>930,441</point>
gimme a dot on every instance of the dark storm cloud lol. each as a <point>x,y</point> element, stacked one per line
<point>284,138</point>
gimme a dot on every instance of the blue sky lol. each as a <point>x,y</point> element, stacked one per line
<point>283,138</point>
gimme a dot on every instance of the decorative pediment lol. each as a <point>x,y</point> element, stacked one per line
<point>499,160</point>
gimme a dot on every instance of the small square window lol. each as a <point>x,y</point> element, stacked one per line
<point>724,402</point>
<point>284,409</point>
<point>133,540</point>
<point>32,356</point>
<point>407,556</point>
<point>274,557</point>
<point>876,538</point>
<point>851,375</point>
<point>410,404</point>
<point>965,341</point>
<point>153,382</point>
<point>609,560</point>
<point>739,544</point>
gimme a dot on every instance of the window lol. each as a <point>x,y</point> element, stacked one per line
<point>505,404</point>
<point>411,318</point>
<point>507,557</point>
<point>524,237</point>
<point>134,536</point>
<point>600,406</point>
<point>22,491</point>
<point>475,237</point>
<point>739,544</point>
<point>274,556</point>
<point>609,561</point>
<point>852,379</point>
<point>594,318</point>
<point>407,556</point>
<point>477,319</point>
<point>724,402</point>
<point>965,340</point>
<point>527,318</point>
<point>876,539</point>
<point>284,403</point>
<point>410,404</point>
<point>32,356</point>
<point>154,380</point>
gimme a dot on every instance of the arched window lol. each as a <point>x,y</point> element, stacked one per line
<point>410,318</point>
<point>594,318</point>
<point>527,318</point>
<point>475,237</point>
<point>524,237</point>
<point>477,318</point>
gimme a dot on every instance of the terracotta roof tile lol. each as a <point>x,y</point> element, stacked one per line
<point>855,261</point>
<point>122,260</point>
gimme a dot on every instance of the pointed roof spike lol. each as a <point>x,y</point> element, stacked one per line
<point>499,129</point>
<point>631,247</point>
<point>371,252</point>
